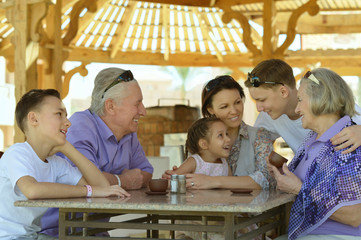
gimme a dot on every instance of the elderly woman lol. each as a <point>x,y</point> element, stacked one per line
<point>327,182</point>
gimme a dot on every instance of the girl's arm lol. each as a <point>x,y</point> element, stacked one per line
<point>188,166</point>
<point>202,181</point>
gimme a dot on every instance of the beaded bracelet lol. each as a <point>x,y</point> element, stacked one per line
<point>90,190</point>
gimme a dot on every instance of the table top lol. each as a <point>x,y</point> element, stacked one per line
<point>219,200</point>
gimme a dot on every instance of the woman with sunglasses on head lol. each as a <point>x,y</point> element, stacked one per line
<point>223,98</point>
<point>327,181</point>
<point>106,134</point>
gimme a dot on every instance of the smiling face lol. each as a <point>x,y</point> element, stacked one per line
<point>303,108</point>
<point>227,105</point>
<point>270,100</point>
<point>218,141</point>
<point>127,112</point>
<point>51,121</point>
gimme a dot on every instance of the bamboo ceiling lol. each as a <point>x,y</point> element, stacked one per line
<point>139,32</point>
<point>46,33</point>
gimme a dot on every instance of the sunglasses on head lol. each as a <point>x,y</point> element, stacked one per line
<point>256,82</point>
<point>311,77</point>
<point>126,76</point>
<point>214,82</point>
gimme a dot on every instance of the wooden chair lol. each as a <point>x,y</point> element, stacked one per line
<point>1,153</point>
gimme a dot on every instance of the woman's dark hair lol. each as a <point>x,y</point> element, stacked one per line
<point>197,131</point>
<point>30,101</point>
<point>216,85</point>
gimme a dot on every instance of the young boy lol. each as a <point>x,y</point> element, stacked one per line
<point>272,85</point>
<point>30,170</point>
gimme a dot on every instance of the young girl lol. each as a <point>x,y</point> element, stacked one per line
<point>209,146</point>
<point>30,170</point>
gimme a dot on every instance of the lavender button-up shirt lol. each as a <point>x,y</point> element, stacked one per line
<point>93,138</point>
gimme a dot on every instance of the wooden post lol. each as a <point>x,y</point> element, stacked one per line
<point>25,18</point>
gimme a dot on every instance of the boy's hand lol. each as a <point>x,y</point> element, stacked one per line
<point>113,190</point>
<point>349,136</point>
<point>61,148</point>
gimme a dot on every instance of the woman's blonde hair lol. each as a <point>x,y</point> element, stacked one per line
<point>328,93</point>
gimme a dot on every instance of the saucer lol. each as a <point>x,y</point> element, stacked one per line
<point>241,191</point>
<point>156,193</point>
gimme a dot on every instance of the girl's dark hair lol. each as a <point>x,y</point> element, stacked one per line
<point>30,101</point>
<point>216,85</point>
<point>197,131</point>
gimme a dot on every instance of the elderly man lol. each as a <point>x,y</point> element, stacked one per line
<point>106,134</point>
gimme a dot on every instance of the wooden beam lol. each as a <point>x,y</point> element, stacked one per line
<point>207,33</point>
<point>57,57</point>
<point>350,58</point>
<point>165,25</point>
<point>149,58</point>
<point>269,15</point>
<point>123,28</point>
<point>25,19</point>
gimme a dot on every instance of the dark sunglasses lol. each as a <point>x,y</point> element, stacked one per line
<point>256,82</point>
<point>126,76</point>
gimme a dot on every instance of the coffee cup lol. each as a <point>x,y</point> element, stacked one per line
<point>158,185</point>
<point>277,160</point>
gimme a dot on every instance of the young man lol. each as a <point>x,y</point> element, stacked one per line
<point>272,85</point>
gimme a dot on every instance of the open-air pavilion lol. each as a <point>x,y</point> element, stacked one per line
<point>38,36</point>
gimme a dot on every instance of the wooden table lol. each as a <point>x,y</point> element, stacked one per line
<point>267,209</point>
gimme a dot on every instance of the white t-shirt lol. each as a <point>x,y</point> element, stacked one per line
<point>291,130</point>
<point>18,161</point>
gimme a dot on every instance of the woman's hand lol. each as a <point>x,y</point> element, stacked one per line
<point>113,190</point>
<point>199,181</point>
<point>287,182</point>
<point>350,136</point>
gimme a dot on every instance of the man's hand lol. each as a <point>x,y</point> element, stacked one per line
<point>287,182</point>
<point>350,136</point>
<point>131,179</point>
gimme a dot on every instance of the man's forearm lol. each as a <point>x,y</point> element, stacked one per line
<point>146,178</point>
<point>350,215</point>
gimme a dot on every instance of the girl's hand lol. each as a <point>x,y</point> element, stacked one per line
<point>288,182</point>
<point>199,181</point>
<point>113,190</point>
<point>168,173</point>
<point>349,136</point>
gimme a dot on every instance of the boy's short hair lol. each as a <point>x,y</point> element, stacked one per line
<point>273,70</point>
<point>30,101</point>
